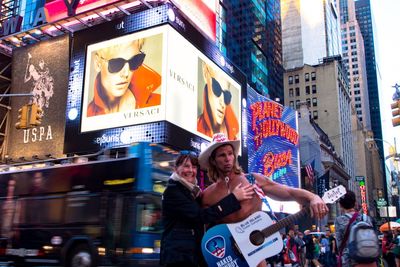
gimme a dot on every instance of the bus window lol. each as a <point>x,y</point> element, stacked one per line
<point>40,210</point>
<point>148,218</point>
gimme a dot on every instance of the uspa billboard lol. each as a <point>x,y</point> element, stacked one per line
<point>41,70</point>
<point>138,81</point>
<point>273,144</point>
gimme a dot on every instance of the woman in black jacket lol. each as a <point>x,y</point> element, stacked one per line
<point>184,219</point>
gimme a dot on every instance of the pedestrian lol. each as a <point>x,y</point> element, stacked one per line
<point>310,250</point>
<point>220,159</point>
<point>343,227</point>
<point>184,219</point>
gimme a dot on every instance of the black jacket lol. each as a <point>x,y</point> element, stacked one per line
<point>183,221</point>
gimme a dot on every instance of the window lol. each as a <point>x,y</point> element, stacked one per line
<point>308,102</point>
<point>314,102</point>
<point>297,91</point>
<point>297,103</point>
<point>314,88</point>
<point>290,79</point>
<point>291,104</point>
<point>291,92</point>
<point>307,77</point>
<point>307,90</point>
<point>315,115</point>
<point>296,79</point>
<point>313,76</point>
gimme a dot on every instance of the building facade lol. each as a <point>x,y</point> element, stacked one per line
<point>310,32</point>
<point>354,59</point>
<point>365,21</point>
<point>251,35</point>
<point>325,88</point>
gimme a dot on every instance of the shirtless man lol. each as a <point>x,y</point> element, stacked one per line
<point>220,158</point>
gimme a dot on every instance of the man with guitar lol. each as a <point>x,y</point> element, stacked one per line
<point>220,159</point>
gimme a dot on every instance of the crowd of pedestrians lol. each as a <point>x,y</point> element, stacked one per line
<point>306,249</point>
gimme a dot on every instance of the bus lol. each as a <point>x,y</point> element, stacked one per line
<point>85,213</point>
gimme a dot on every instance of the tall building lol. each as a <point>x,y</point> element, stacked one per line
<point>253,42</point>
<point>325,88</point>
<point>354,60</point>
<point>310,32</point>
<point>314,71</point>
<point>365,21</point>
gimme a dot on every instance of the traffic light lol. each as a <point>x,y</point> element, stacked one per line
<point>22,122</point>
<point>36,114</point>
<point>396,113</point>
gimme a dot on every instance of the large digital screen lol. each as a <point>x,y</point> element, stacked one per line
<point>273,141</point>
<point>151,77</point>
<point>123,81</point>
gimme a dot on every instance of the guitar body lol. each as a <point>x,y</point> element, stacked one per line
<point>221,244</point>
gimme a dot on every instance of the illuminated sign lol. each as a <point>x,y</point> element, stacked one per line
<point>201,13</point>
<point>363,192</point>
<point>157,84</point>
<point>125,85</point>
<point>41,70</point>
<point>273,143</point>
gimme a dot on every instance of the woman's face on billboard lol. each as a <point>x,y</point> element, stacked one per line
<point>218,96</point>
<point>117,65</point>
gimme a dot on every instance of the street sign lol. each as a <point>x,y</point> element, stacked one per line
<point>381,202</point>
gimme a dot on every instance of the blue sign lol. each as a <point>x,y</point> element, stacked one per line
<point>272,139</point>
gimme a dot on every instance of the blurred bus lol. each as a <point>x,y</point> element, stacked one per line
<point>93,213</point>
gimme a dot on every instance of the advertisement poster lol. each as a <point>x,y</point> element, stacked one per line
<point>273,144</point>
<point>41,70</point>
<point>123,81</point>
<point>163,84</point>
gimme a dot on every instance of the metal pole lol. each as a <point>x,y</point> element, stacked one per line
<point>7,95</point>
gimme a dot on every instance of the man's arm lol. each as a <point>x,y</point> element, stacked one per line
<point>285,193</point>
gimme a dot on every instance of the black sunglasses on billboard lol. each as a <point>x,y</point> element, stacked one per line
<point>116,64</point>
<point>217,90</point>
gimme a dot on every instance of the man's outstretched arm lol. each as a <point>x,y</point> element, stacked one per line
<point>285,193</point>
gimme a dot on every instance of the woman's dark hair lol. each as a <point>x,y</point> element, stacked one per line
<point>183,157</point>
<point>348,201</point>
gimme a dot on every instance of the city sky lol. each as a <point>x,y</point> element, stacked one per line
<point>387,44</point>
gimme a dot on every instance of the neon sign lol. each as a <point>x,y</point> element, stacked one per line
<point>272,139</point>
<point>363,192</point>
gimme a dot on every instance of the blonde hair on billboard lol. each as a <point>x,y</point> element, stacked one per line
<point>108,52</point>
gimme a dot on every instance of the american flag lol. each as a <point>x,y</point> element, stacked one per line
<point>310,172</point>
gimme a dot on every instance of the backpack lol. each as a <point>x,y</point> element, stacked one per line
<point>363,242</point>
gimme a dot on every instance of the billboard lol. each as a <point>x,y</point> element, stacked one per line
<point>201,13</point>
<point>42,70</point>
<point>135,83</point>
<point>273,144</point>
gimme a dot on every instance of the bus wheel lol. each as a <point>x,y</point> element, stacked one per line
<point>80,256</point>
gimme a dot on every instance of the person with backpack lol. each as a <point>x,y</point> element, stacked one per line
<point>356,237</point>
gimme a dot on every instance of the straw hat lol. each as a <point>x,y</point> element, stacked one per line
<point>219,139</point>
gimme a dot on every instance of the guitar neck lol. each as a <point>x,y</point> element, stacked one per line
<point>283,223</point>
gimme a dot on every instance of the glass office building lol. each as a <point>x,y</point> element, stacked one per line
<point>250,34</point>
<point>364,18</point>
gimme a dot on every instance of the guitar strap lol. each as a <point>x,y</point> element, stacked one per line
<point>260,193</point>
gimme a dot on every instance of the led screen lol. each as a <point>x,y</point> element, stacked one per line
<point>150,76</point>
<point>123,78</point>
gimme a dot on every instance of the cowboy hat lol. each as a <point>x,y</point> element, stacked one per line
<point>219,139</point>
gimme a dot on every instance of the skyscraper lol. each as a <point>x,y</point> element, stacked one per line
<point>354,60</point>
<point>310,32</point>
<point>365,21</point>
<point>253,42</point>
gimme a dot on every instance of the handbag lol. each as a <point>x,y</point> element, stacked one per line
<point>344,241</point>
